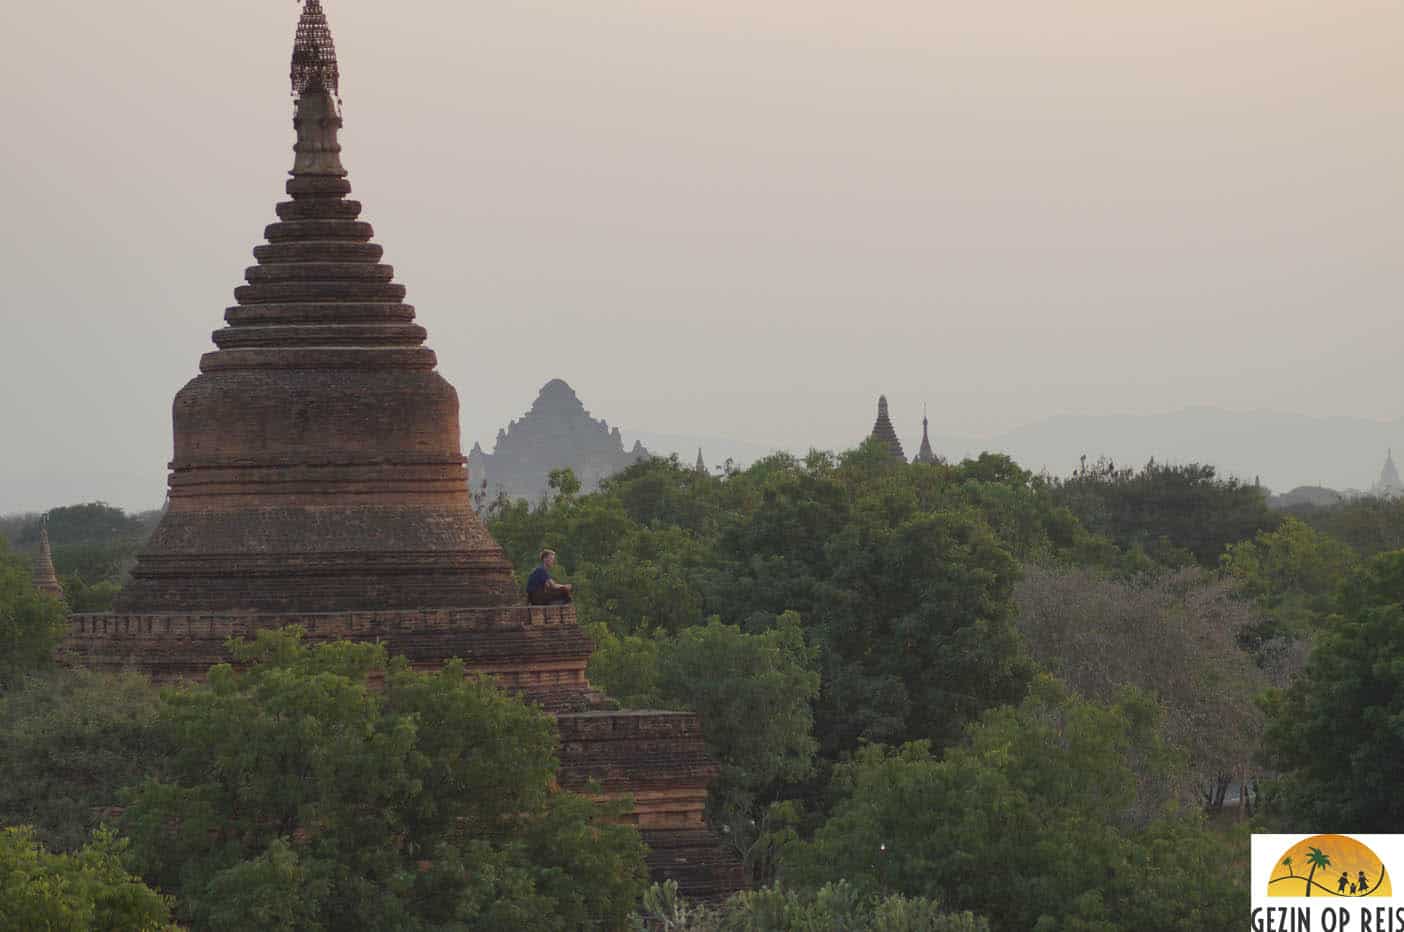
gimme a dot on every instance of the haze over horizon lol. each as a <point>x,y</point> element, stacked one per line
<point>728,220</point>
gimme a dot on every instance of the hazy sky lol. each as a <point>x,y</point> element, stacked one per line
<point>741,218</point>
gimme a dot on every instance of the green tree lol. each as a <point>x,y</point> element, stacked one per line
<point>753,694</point>
<point>1174,513</point>
<point>70,740</point>
<point>563,483</point>
<point>901,575</point>
<point>1039,822</point>
<point>1294,573</point>
<point>298,794</point>
<point>1336,734</point>
<point>917,635</point>
<point>1369,525</point>
<point>89,889</point>
<point>32,624</point>
<point>625,666</point>
<point>94,541</point>
<point>84,598</point>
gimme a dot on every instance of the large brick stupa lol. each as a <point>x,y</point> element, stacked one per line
<point>318,480</point>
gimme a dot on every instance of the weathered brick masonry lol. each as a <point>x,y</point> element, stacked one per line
<point>318,479</point>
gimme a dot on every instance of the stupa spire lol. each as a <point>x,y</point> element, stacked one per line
<point>925,454</point>
<point>316,82</point>
<point>701,463</point>
<point>45,577</point>
<point>884,433</point>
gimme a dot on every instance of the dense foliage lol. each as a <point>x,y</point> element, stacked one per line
<point>1055,815</point>
<point>70,740</point>
<point>872,649</point>
<point>1369,525</point>
<point>1175,514</point>
<point>31,623</point>
<point>89,889</point>
<point>1173,634</point>
<point>1294,573</point>
<point>294,797</point>
<point>1337,733</point>
<point>753,693</point>
<point>94,547</point>
<point>834,907</point>
<point>902,576</point>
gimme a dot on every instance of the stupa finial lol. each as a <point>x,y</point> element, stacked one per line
<point>316,84</point>
<point>314,53</point>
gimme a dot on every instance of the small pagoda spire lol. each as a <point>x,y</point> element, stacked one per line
<point>45,577</point>
<point>925,454</point>
<point>884,433</point>
<point>701,463</point>
<point>316,83</point>
<point>1389,484</point>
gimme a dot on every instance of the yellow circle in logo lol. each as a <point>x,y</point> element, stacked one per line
<point>1331,866</point>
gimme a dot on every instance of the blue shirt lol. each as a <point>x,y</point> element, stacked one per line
<point>538,579</point>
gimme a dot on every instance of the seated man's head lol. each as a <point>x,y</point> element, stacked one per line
<point>548,558</point>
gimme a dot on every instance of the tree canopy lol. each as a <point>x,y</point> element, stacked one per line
<point>1040,822</point>
<point>1337,733</point>
<point>89,889</point>
<point>1177,514</point>
<point>295,797</point>
<point>31,623</point>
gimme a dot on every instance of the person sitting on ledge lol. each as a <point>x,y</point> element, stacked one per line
<point>541,588</point>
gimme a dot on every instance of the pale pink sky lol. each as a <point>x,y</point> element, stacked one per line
<point>729,218</point>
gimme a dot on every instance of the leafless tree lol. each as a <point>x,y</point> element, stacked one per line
<point>1174,635</point>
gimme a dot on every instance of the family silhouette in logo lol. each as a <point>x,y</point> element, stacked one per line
<point>1359,888</point>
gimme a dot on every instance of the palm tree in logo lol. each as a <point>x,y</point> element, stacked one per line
<point>1317,858</point>
<point>1287,863</point>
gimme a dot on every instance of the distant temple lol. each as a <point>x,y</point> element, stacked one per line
<point>926,454</point>
<point>883,432</point>
<point>45,578</point>
<point>556,433</point>
<point>1389,484</point>
<point>701,463</point>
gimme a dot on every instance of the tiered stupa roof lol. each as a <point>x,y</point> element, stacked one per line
<point>317,462</point>
<point>926,454</point>
<point>884,432</point>
<point>45,578</point>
